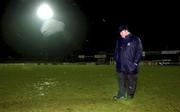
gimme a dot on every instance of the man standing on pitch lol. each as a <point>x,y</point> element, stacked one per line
<point>128,53</point>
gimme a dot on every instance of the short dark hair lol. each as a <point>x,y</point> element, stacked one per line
<point>123,27</point>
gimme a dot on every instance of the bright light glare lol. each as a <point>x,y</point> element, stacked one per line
<point>45,12</point>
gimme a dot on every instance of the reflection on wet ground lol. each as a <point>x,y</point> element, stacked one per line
<point>41,87</point>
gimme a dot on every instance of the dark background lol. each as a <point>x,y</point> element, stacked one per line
<point>156,23</point>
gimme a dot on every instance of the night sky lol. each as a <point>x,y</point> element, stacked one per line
<point>94,22</point>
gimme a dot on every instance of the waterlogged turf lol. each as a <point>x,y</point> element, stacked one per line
<point>85,88</point>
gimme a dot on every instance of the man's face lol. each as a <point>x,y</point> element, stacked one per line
<point>123,33</point>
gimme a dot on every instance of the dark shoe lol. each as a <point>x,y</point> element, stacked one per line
<point>115,97</point>
<point>129,97</point>
<point>119,97</point>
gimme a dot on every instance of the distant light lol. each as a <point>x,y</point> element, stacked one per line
<point>45,11</point>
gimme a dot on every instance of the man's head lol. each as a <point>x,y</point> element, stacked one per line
<point>122,27</point>
<point>123,31</point>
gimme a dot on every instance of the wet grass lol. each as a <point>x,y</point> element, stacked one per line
<point>85,88</point>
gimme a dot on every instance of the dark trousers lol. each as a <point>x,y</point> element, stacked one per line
<point>127,83</point>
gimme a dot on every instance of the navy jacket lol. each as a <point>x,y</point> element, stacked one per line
<point>128,53</point>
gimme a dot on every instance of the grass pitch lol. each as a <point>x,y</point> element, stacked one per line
<point>85,88</point>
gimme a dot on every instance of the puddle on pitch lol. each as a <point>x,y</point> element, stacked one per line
<point>41,87</point>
